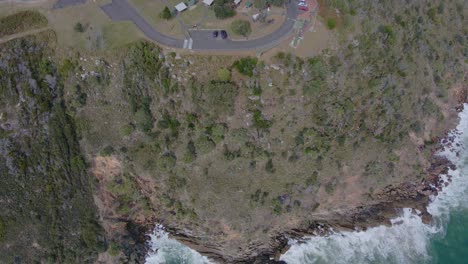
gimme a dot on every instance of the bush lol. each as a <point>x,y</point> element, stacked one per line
<point>107,151</point>
<point>269,166</point>
<point>246,65</point>
<point>2,230</point>
<point>167,161</point>
<point>241,27</point>
<point>114,249</point>
<point>331,23</point>
<point>166,13</point>
<point>260,4</point>
<point>205,144</point>
<point>259,121</point>
<point>277,2</point>
<point>79,28</point>
<point>224,75</point>
<point>127,129</point>
<point>191,152</point>
<point>222,9</point>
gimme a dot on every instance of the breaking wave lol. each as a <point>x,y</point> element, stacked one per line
<point>408,239</point>
<point>165,250</point>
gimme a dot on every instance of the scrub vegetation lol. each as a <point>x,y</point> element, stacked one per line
<point>21,21</point>
<point>235,150</point>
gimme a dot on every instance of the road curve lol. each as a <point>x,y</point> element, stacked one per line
<point>121,10</point>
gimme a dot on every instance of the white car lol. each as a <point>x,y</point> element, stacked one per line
<point>302,4</point>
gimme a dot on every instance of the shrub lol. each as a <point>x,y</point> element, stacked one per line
<point>241,27</point>
<point>191,152</point>
<point>246,65</point>
<point>277,206</point>
<point>127,129</point>
<point>277,2</point>
<point>269,166</point>
<point>204,144</point>
<point>114,249</point>
<point>331,23</point>
<point>222,9</point>
<point>79,27</point>
<point>2,230</point>
<point>259,121</point>
<point>107,151</point>
<point>224,75</point>
<point>166,13</point>
<point>167,161</point>
<point>261,4</point>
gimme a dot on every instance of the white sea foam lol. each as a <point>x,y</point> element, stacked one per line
<point>407,240</point>
<point>165,250</point>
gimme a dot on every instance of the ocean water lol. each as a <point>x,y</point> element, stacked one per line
<point>407,240</point>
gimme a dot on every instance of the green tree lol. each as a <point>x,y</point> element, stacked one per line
<point>166,13</point>
<point>241,27</point>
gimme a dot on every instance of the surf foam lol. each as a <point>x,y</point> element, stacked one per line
<point>165,250</point>
<point>408,239</point>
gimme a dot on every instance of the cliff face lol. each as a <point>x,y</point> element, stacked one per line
<point>233,155</point>
<point>45,193</point>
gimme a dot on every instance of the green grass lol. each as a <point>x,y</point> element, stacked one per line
<point>21,21</point>
<point>119,34</point>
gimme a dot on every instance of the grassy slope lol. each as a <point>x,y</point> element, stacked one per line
<point>21,21</point>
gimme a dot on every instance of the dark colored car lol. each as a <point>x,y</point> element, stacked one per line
<point>215,33</point>
<point>223,34</point>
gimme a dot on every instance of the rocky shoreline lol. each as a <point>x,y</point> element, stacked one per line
<point>388,204</point>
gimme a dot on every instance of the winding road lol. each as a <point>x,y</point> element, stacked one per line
<point>121,10</point>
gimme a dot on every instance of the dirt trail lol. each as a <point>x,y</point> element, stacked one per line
<point>22,34</point>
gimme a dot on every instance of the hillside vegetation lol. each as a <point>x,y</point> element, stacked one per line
<point>47,210</point>
<point>235,150</point>
<point>21,21</point>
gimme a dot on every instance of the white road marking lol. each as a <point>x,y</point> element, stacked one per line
<point>190,44</point>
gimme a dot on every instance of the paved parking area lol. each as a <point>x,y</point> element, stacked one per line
<point>120,10</point>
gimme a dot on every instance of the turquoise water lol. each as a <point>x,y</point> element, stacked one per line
<point>407,240</point>
<point>453,247</point>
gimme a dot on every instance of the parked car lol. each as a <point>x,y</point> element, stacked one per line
<point>215,33</point>
<point>224,34</point>
<point>303,8</point>
<point>302,4</point>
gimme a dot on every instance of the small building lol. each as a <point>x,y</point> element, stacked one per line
<point>208,2</point>
<point>237,2</point>
<point>180,7</point>
<point>248,4</point>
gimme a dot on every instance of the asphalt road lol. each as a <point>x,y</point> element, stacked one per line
<point>120,10</point>
<point>67,3</point>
